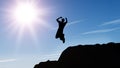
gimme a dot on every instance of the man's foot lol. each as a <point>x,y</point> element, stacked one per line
<point>56,36</point>
<point>63,40</point>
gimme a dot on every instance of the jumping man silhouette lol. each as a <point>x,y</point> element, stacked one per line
<point>61,22</point>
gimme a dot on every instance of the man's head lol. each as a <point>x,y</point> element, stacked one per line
<point>62,19</point>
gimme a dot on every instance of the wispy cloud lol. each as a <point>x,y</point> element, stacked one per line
<point>111,22</point>
<point>69,24</point>
<point>100,31</point>
<point>74,22</point>
<point>7,60</point>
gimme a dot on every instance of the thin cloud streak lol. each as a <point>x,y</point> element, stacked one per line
<point>100,31</point>
<point>74,22</point>
<point>111,22</point>
<point>7,60</point>
<point>69,24</point>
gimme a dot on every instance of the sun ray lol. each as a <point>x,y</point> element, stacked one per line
<point>23,17</point>
<point>44,23</point>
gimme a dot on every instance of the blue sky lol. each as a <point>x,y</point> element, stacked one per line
<point>89,22</point>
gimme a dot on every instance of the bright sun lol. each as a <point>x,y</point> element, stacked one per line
<point>25,13</point>
<point>24,16</point>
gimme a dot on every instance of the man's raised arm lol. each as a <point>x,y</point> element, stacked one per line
<point>58,19</point>
<point>66,20</point>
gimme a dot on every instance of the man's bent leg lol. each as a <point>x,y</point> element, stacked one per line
<point>62,38</point>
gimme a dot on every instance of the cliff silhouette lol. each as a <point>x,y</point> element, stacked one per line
<point>86,56</point>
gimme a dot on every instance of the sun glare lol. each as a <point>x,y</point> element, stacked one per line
<point>25,13</point>
<point>23,16</point>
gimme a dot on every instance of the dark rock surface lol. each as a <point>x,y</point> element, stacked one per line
<point>86,56</point>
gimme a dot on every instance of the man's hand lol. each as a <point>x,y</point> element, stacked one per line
<point>66,20</point>
<point>60,17</point>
